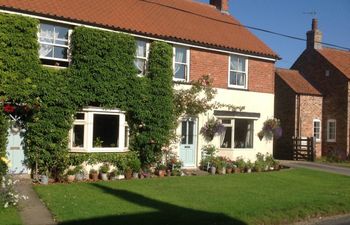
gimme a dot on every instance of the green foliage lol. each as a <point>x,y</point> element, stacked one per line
<point>3,136</point>
<point>157,122</point>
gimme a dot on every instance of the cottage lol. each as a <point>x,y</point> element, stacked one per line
<point>206,40</point>
<point>320,80</point>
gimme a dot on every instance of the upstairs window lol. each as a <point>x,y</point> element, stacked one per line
<point>238,72</point>
<point>331,130</point>
<point>317,130</point>
<point>141,57</point>
<point>181,63</point>
<point>54,44</point>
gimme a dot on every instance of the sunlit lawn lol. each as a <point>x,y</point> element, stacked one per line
<point>9,216</point>
<point>257,198</point>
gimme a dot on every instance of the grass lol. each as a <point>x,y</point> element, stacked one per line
<point>9,216</point>
<point>258,198</point>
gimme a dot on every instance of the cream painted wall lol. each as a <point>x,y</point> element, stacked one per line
<point>255,102</point>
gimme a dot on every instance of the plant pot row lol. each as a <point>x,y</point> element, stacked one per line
<point>214,170</point>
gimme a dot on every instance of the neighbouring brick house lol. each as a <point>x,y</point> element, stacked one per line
<point>328,71</point>
<point>298,105</point>
<point>205,40</point>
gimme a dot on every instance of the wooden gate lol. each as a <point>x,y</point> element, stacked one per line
<point>304,148</point>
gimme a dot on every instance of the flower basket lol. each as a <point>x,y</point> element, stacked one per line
<point>211,128</point>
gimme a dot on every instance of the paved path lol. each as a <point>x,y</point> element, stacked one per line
<point>32,211</point>
<point>317,166</point>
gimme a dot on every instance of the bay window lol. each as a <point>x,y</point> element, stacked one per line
<point>99,130</point>
<point>238,72</point>
<point>238,133</point>
<point>181,63</point>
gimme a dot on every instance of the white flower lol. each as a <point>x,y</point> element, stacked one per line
<point>6,205</point>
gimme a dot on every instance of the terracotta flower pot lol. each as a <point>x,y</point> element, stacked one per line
<point>70,178</point>
<point>161,173</point>
<point>228,170</point>
<point>236,170</point>
<point>128,174</point>
<point>94,176</point>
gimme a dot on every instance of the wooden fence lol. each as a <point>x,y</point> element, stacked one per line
<point>304,148</point>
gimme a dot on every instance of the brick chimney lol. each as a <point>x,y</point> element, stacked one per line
<point>221,5</point>
<point>314,36</point>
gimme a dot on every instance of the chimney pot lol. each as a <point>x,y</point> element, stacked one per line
<point>221,5</point>
<point>314,24</point>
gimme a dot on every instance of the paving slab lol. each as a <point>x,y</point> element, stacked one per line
<point>32,211</point>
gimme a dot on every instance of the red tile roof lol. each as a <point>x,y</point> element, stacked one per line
<point>297,82</point>
<point>181,20</point>
<point>338,58</point>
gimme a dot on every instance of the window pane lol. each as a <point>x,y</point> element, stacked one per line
<point>243,133</point>
<point>233,78</point>
<point>140,48</point>
<point>180,71</point>
<point>80,116</point>
<point>237,63</point>
<point>60,53</point>
<point>61,42</point>
<point>241,79</point>
<point>61,32</point>
<point>317,127</point>
<point>140,65</point>
<point>190,132</point>
<point>226,121</point>
<point>106,131</point>
<point>180,55</point>
<point>183,132</point>
<point>47,31</point>
<point>226,138</point>
<point>78,136</point>
<point>46,50</point>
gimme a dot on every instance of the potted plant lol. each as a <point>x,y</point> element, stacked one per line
<point>221,165</point>
<point>135,166</point>
<point>248,166</point>
<point>79,173</point>
<point>113,174</point>
<point>94,174</point>
<point>104,171</point>
<point>161,169</point>
<point>259,165</point>
<point>240,164</point>
<point>128,173</point>
<point>229,167</point>
<point>70,175</point>
<point>119,175</point>
<point>213,165</point>
<point>211,128</point>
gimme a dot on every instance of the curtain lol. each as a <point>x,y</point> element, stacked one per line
<point>180,57</point>
<point>248,139</point>
<point>222,138</point>
<point>141,49</point>
<point>48,35</point>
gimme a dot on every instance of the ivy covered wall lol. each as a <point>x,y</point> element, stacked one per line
<point>102,74</point>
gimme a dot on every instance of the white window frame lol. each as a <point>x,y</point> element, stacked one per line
<point>143,58</point>
<point>88,122</point>
<point>320,129</point>
<point>245,86</point>
<point>187,75</point>
<point>233,125</point>
<point>328,131</point>
<point>55,45</point>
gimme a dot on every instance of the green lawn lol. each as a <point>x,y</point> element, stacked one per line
<point>9,216</point>
<point>258,198</point>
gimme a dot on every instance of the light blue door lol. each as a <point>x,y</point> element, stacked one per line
<point>188,142</point>
<point>15,152</point>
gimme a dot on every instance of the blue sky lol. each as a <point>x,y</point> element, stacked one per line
<point>289,17</point>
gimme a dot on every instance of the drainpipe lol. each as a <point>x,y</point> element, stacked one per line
<point>298,122</point>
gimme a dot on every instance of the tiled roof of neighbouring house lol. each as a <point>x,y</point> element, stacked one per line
<point>178,20</point>
<point>296,81</point>
<point>338,58</point>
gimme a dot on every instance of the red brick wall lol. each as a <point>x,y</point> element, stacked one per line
<point>285,111</point>
<point>260,72</point>
<point>310,109</point>
<point>335,104</point>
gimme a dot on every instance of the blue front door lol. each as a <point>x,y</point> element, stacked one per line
<point>188,142</point>
<point>15,152</point>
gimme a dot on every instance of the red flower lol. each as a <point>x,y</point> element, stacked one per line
<point>9,108</point>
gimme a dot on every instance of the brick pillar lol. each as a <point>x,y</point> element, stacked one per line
<point>221,5</point>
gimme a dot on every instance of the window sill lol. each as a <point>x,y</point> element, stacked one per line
<point>180,81</point>
<point>240,88</point>
<point>236,149</point>
<point>331,141</point>
<point>99,150</point>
